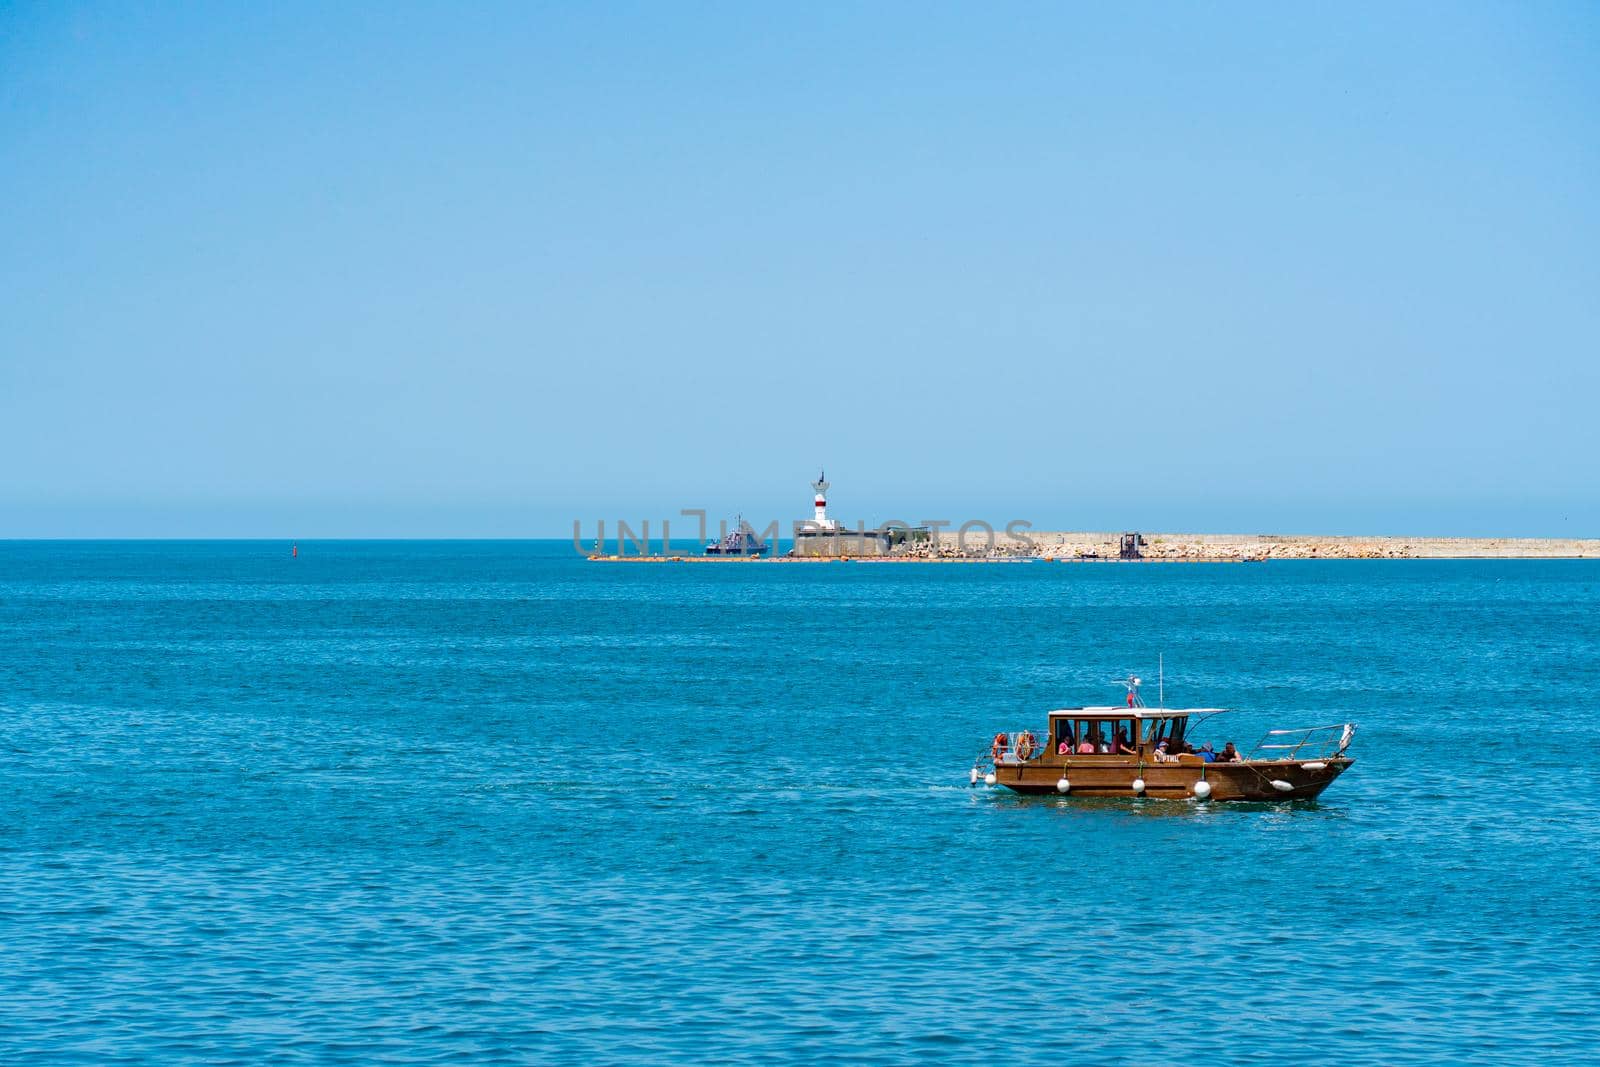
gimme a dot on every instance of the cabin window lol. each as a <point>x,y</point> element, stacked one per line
<point>1094,732</point>
<point>1168,730</point>
<point>1063,735</point>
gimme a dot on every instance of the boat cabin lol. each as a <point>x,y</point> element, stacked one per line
<point>1117,731</point>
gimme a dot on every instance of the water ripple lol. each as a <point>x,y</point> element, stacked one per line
<point>484,804</point>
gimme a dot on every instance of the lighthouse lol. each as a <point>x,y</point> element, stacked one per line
<point>821,520</point>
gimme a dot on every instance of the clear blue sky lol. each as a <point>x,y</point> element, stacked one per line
<point>275,270</point>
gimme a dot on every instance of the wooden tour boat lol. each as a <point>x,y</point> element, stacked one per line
<point>1118,752</point>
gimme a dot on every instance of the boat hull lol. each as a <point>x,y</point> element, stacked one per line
<point>1109,776</point>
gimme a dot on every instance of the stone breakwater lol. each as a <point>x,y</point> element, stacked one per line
<point>1247,547</point>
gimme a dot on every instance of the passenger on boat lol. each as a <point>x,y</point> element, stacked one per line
<point>1161,753</point>
<point>1207,753</point>
<point>1123,748</point>
<point>1229,754</point>
<point>1086,747</point>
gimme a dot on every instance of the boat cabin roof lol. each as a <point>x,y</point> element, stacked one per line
<point>1113,711</point>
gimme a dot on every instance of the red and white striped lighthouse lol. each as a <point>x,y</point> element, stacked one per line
<point>821,520</point>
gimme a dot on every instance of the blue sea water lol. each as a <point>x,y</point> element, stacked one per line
<point>488,802</point>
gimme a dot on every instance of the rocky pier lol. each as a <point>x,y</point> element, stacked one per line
<point>1201,548</point>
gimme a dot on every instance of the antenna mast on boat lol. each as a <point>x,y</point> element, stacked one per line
<point>1161,679</point>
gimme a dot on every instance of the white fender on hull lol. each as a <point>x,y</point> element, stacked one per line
<point>1138,785</point>
<point>1202,789</point>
